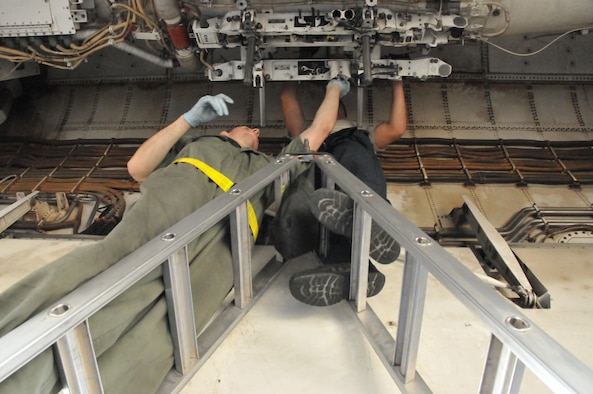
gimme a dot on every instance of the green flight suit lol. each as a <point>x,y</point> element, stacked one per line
<point>131,335</point>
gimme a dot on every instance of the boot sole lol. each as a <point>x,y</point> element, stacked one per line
<point>328,288</point>
<point>334,210</point>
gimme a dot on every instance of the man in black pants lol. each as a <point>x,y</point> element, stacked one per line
<point>355,150</point>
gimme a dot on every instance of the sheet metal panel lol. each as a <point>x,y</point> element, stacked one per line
<point>35,18</point>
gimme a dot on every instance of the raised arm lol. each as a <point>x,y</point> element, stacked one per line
<point>152,152</point>
<point>327,113</point>
<point>291,109</point>
<point>387,132</point>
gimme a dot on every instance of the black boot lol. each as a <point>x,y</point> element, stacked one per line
<point>334,210</point>
<point>330,283</point>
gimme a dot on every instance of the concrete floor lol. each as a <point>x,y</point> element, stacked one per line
<point>284,346</point>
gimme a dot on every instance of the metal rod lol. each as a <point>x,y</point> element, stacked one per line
<point>360,90</point>
<point>262,105</point>
<point>367,77</point>
<point>249,61</point>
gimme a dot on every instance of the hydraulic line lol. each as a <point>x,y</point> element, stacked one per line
<point>531,224</point>
<point>169,12</point>
<point>152,58</point>
<point>523,232</point>
<point>59,224</point>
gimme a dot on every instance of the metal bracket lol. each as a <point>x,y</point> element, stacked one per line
<point>15,211</point>
<point>323,69</point>
<point>521,280</point>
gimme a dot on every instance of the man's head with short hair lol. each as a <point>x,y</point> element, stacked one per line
<point>245,136</point>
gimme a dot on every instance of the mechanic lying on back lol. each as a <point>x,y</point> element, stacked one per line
<point>131,334</point>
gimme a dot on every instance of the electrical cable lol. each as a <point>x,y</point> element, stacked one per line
<point>539,50</point>
<point>13,176</point>
<point>193,8</point>
<point>507,18</point>
<point>69,58</point>
<point>6,75</point>
<point>204,61</point>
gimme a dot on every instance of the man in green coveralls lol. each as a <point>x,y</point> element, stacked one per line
<point>131,334</point>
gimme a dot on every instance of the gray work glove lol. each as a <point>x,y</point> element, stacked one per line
<point>208,108</point>
<point>342,82</point>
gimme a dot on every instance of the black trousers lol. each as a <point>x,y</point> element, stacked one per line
<point>294,231</point>
<point>353,149</point>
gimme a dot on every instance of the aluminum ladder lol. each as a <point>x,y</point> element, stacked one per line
<point>515,343</point>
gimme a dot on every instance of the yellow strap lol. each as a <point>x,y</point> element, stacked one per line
<point>225,184</point>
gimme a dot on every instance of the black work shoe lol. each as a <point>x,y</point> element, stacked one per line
<point>335,210</point>
<point>330,284</point>
<point>384,249</point>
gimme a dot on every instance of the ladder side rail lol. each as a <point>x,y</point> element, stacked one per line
<point>543,355</point>
<point>180,308</point>
<point>503,371</point>
<point>77,362</point>
<point>41,331</point>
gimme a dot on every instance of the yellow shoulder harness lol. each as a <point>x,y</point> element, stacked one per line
<point>225,184</point>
